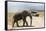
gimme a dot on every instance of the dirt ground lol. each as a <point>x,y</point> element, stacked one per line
<point>36,21</point>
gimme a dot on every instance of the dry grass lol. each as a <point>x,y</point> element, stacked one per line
<point>36,21</point>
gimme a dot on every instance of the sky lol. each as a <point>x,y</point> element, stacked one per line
<point>20,6</point>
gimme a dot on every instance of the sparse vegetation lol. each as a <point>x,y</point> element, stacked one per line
<point>39,19</point>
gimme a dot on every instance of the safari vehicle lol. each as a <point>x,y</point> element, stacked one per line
<point>35,14</point>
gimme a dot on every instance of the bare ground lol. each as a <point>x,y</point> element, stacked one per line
<point>36,21</point>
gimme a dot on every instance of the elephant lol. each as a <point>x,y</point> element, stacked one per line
<point>19,16</point>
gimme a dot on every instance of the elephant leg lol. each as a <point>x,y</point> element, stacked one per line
<point>17,24</point>
<point>13,23</point>
<point>25,22</point>
<point>31,20</point>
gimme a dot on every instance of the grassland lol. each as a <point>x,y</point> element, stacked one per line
<point>36,21</point>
